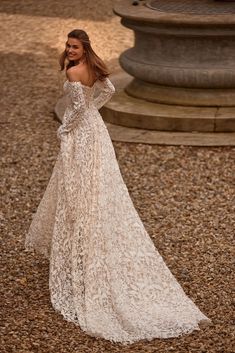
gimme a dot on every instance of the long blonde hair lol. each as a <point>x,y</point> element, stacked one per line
<point>96,66</point>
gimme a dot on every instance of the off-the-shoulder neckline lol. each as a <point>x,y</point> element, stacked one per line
<point>81,83</point>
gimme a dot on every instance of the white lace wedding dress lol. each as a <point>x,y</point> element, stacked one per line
<point>105,272</point>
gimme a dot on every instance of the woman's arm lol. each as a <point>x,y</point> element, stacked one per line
<point>106,91</point>
<point>71,119</point>
<point>78,103</point>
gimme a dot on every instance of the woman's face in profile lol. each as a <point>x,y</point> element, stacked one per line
<point>74,49</point>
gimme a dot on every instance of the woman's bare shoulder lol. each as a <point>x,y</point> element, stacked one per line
<point>74,73</point>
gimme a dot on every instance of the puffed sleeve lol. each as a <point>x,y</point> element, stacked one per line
<point>106,90</point>
<point>71,117</point>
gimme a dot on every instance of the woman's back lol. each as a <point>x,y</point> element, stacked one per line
<point>81,73</point>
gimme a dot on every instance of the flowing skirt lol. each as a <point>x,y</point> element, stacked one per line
<point>105,273</point>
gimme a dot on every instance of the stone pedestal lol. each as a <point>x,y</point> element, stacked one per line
<point>184,51</point>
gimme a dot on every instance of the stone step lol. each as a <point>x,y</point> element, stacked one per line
<point>128,111</point>
<point>125,134</point>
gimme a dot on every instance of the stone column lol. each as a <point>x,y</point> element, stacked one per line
<point>184,51</point>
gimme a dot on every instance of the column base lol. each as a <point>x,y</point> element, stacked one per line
<point>181,96</point>
<point>128,111</point>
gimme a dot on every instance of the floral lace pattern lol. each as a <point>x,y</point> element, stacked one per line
<point>105,273</point>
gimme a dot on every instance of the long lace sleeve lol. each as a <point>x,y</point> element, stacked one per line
<point>106,89</point>
<point>71,117</point>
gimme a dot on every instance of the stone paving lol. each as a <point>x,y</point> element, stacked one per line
<point>184,195</point>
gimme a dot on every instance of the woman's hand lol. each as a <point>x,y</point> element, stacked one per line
<point>61,132</point>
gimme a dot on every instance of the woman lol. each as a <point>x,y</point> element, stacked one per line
<point>105,273</point>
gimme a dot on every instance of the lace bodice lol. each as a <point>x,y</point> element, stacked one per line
<point>81,100</point>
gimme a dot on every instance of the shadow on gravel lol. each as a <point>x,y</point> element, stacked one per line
<point>26,74</point>
<point>78,9</point>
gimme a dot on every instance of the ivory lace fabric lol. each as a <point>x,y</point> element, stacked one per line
<point>105,273</point>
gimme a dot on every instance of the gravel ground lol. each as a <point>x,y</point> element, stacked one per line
<point>184,195</point>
